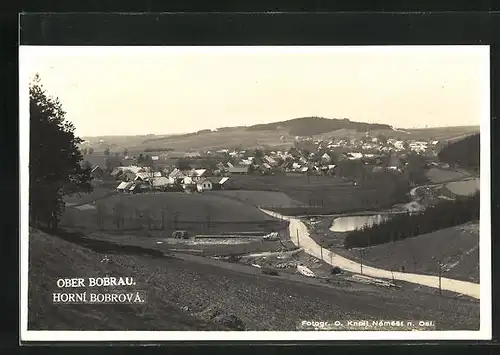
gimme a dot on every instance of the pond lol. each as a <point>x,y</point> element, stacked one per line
<point>350,223</point>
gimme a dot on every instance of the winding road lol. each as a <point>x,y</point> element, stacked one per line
<point>299,235</point>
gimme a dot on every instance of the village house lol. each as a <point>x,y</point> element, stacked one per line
<point>161,183</point>
<point>204,185</point>
<point>325,159</point>
<point>97,172</point>
<point>124,186</point>
<point>177,175</point>
<point>192,155</point>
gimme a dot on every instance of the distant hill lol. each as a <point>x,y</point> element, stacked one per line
<point>279,135</point>
<point>309,126</point>
<point>464,152</point>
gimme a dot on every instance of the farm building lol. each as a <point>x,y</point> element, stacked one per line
<point>160,183</point>
<point>325,158</point>
<point>223,183</point>
<point>239,170</point>
<point>177,175</point>
<point>204,185</point>
<point>138,187</point>
<point>97,172</point>
<point>124,186</point>
<point>142,176</point>
<point>117,173</point>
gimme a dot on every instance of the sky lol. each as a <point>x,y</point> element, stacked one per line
<point>169,90</point>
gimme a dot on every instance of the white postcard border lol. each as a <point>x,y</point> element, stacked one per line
<point>27,52</point>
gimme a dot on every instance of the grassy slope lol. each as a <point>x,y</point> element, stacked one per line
<point>457,248</point>
<point>449,245</point>
<point>52,258</point>
<point>262,302</point>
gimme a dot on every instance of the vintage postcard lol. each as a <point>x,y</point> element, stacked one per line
<point>255,193</point>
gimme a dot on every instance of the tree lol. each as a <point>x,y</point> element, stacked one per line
<point>101,213</point>
<point>55,167</point>
<point>106,151</point>
<point>415,169</point>
<point>112,162</point>
<point>125,152</point>
<point>84,151</point>
<point>184,164</point>
<point>382,139</point>
<point>90,150</point>
<point>258,153</point>
<point>140,158</point>
<point>87,165</point>
<point>119,214</point>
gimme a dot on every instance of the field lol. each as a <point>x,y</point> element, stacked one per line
<point>315,194</point>
<point>257,198</point>
<point>160,213</point>
<point>182,290</point>
<point>456,247</point>
<point>437,176</point>
<point>463,188</point>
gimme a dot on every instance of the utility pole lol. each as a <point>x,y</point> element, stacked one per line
<point>298,241</point>
<point>321,248</point>
<point>361,253</point>
<point>439,273</point>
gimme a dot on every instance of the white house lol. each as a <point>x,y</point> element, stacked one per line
<point>204,185</point>
<point>354,156</point>
<point>325,158</point>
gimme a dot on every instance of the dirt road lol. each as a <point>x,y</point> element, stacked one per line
<point>300,237</point>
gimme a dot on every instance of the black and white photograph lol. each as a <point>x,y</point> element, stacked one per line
<point>255,192</point>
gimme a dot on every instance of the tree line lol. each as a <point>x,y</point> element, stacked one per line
<point>444,214</point>
<point>464,152</point>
